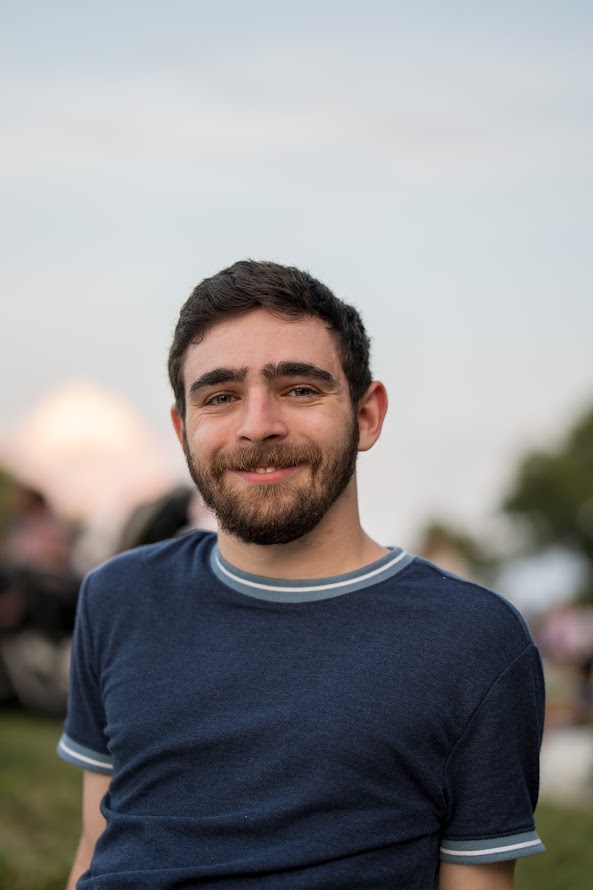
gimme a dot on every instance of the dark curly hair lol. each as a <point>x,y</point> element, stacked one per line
<point>281,290</point>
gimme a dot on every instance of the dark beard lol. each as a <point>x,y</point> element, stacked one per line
<point>282,512</point>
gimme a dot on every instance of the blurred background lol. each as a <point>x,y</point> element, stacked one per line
<point>431,163</point>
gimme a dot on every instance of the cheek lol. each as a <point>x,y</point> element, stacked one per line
<point>207,435</point>
<point>331,430</point>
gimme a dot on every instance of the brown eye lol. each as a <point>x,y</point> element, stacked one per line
<point>222,398</point>
<point>301,392</point>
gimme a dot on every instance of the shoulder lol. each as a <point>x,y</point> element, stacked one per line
<point>483,659</point>
<point>469,630</point>
<point>148,566</point>
<point>463,602</point>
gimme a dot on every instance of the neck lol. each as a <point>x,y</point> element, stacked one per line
<point>337,545</point>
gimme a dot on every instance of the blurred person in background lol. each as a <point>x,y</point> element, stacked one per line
<point>35,538</point>
<point>38,593</point>
<point>566,637</point>
<point>173,513</point>
<point>289,703</point>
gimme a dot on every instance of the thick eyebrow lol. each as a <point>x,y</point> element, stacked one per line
<point>215,377</point>
<point>300,369</point>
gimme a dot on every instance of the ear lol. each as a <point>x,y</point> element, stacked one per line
<point>178,423</point>
<point>371,414</point>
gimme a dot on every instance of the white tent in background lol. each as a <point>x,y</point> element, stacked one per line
<point>92,454</point>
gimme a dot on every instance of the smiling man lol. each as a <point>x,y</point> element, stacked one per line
<point>290,704</point>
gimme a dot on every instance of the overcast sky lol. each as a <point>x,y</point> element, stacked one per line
<point>429,161</point>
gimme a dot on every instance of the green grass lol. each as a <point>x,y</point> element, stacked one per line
<point>40,807</point>
<point>568,862</point>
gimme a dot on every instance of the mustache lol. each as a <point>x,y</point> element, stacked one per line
<point>278,455</point>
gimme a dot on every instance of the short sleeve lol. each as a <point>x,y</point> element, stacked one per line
<point>84,742</point>
<point>492,775</point>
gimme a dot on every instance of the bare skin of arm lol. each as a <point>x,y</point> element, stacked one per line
<point>490,876</point>
<point>94,787</point>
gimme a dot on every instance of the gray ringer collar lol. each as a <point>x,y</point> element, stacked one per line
<point>279,590</point>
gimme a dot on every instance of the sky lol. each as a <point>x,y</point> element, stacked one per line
<point>430,162</point>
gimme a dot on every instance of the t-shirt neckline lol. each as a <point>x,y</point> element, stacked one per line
<point>282,590</point>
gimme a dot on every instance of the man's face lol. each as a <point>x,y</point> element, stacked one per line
<point>270,433</point>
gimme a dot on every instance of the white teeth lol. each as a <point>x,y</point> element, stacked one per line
<point>265,469</point>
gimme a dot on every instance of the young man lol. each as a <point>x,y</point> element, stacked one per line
<point>290,704</point>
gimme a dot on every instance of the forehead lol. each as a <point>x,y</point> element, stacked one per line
<point>259,338</point>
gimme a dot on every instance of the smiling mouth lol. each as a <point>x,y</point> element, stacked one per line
<point>272,469</point>
<point>267,461</point>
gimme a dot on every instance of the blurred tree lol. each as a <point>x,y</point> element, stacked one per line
<point>553,493</point>
<point>456,550</point>
<point>6,485</point>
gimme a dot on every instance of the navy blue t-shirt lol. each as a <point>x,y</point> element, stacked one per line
<point>345,732</point>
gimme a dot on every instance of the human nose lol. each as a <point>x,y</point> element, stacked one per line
<point>261,419</point>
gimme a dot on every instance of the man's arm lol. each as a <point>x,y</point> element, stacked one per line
<point>487,876</point>
<point>94,788</point>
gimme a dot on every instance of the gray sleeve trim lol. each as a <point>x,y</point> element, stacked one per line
<point>495,849</point>
<point>78,755</point>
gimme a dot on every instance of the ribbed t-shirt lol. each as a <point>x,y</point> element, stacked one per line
<point>344,732</point>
